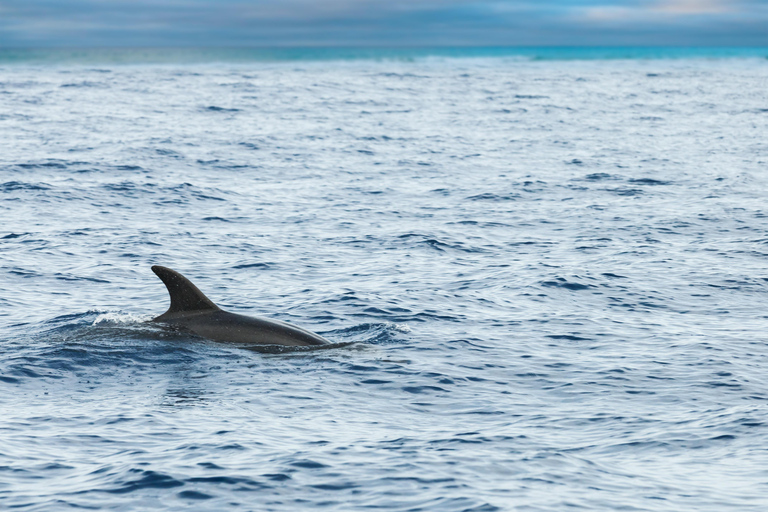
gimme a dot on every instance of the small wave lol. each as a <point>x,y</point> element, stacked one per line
<point>600,176</point>
<point>227,480</point>
<point>372,333</point>
<point>74,319</point>
<point>437,244</point>
<point>86,83</point>
<point>649,181</point>
<point>48,165</point>
<point>494,197</point>
<point>624,191</point>
<point>12,186</point>
<point>147,479</point>
<point>253,265</point>
<point>129,188</point>
<point>561,282</point>
<point>568,337</point>
<point>118,318</point>
<point>70,277</point>
<point>416,390</point>
<point>392,74</point>
<point>214,108</point>
<point>194,495</point>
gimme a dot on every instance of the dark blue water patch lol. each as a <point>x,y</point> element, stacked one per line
<point>183,193</point>
<point>194,495</point>
<point>260,265</point>
<point>72,342</point>
<point>51,164</point>
<point>568,337</point>
<point>374,333</point>
<point>130,189</point>
<point>14,186</point>
<point>417,390</point>
<point>720,384</point>
<point>561,282</point>
<point>648,181</point>
<point>10,236</point>
<point>242,482</point>
<point>55,466</point>
<point>13,470</point>
<point>72,320</point>
<point>209,465</point>
<point>169,152</point>
<point>336,487</point>
<point>85,84</point>
<point>433,243</point>
<point>231,447</point>
<point>393,74</point>
<point>308,464</point>
<point>23,272</point>
<point>277,477</point>
<point>494,197</point>
<point>70,277</point>
<point>185,189</point>
<point>600,176</point>
<point>214,108</point>
<point>625,191</point>
<point>147,479</point>
<point>375,382</point>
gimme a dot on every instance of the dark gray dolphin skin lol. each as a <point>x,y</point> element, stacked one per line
<point>192,311</point>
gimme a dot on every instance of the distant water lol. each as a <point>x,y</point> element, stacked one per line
<point>117,56</point>
<point>555,273</point>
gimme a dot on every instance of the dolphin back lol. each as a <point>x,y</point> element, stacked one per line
<point>250,330</point>
<point>185,296</point>
<point>193,311</point>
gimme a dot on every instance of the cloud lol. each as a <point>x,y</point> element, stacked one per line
<point>380,22</point>
<point>687,7</point>
<point>662,10</point>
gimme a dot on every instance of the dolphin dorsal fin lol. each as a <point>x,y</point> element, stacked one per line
<point>185,296</point>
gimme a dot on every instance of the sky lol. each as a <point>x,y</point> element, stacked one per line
<point>387,23</point>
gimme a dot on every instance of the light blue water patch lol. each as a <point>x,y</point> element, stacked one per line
<point>552,276</point>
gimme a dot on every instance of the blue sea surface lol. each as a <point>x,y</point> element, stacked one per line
<point>188,55</point>
<point>553,273</point>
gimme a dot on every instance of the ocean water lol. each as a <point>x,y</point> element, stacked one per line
<point>554,274</point>
<point>185,55</point>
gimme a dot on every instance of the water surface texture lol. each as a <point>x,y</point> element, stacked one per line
<point>554,274</point>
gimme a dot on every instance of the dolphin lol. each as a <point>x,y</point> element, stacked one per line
<point>192,311</point>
